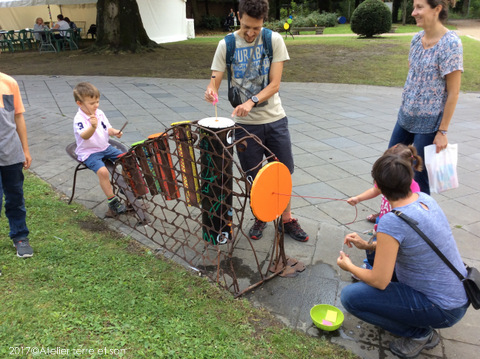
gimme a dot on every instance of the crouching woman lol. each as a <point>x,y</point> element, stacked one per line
<point>427,295</point>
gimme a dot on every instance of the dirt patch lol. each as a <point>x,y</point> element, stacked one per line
<point>319,63</point>
<point>136,248</point>
<point>98,226</point>
<point>172,61</point>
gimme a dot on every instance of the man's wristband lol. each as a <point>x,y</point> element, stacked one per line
<point>442,132</point>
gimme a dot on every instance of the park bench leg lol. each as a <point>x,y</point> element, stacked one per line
<point>75,179</point>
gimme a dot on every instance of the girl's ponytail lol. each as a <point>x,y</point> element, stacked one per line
<point>417,162</point>
<point>408,153</point>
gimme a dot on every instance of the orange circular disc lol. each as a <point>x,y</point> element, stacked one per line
<point>271,191</point>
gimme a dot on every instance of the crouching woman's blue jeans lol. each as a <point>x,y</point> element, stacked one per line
<point>398,309</point>
<point>11,185</point>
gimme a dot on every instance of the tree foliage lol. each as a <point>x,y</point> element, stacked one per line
<point>370,18</point>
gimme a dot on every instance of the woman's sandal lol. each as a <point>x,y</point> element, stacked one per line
<point>373,217</point>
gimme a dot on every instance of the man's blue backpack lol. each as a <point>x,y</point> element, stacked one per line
<point>230,42</point>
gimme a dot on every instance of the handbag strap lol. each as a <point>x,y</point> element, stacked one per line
<point>412,223</point>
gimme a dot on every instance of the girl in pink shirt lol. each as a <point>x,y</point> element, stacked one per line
<point>406,152</point>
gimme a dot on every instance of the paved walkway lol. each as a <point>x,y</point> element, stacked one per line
<point>470,27</point>
<point>338,131</point>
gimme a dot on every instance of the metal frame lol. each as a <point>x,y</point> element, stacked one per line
<point>178,225</point>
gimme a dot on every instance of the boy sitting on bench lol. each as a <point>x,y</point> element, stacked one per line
<point>92,130</point>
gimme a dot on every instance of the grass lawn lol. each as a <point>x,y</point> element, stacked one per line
<point>378,61</point>
<point>341,29</point>
<point>381,61</point>
<point>88,288</point>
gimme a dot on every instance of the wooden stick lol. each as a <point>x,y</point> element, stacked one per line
<point>123,127</point>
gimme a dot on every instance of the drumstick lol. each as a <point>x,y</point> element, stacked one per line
<point>125,124</point>
<point>215,102</point>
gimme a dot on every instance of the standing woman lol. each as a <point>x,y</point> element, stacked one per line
<point>431,90</point>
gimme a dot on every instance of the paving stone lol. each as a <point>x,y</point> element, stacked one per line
<point>338,131</point>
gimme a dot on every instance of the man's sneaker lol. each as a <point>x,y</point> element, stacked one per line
<point>256,232</point>
<point>23,248</point>
<point>294,230</point>
<point>116,206</point>
<point>411,347</point>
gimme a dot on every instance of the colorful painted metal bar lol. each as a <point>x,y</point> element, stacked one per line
<point>131,173</point>
<point>144,157</point>
<point>163,166</point>
<point>186,157</point>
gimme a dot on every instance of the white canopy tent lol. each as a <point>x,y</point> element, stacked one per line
<point>13,3</point>
<point>164,21</point>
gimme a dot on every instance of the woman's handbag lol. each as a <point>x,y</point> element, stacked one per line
<point>471,283</point>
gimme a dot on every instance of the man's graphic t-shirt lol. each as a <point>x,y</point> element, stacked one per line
<point>257,77</point>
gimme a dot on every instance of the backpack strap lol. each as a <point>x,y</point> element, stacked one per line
<point>267,43</point>
<point>230,43</point>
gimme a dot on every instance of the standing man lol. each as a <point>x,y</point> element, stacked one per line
<point>14,157</point>
<point>256,72</point>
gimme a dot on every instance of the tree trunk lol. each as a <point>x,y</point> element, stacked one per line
<point>404,12</point>
<point>395,7</point>
<point>324,5</point>
<point>466,3</point>
<point>120,27</point>
<point>207,11</point>
<point>195,12</point>
<point>276,13</point>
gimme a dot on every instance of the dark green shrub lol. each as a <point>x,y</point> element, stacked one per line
<point>474,11</point>
<point>210,22</point>
<point>370,18</point>
<point>274,25</point>
<point>300,21</point>
<point>327,19</point>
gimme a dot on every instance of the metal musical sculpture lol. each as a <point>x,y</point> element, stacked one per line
<point>203,228</point>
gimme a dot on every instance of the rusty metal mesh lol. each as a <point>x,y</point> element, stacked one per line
<point>189,196</point>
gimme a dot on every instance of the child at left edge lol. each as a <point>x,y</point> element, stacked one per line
<point>14,158</point>
<point>92,131</point>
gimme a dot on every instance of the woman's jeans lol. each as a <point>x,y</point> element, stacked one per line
<point>419,140</point>
<point>11,184</point>
<point>399,309</point>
